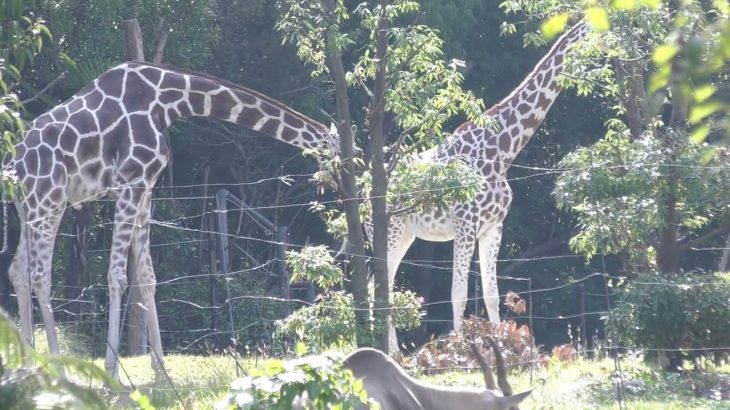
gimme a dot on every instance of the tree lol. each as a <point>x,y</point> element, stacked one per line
<point>646,191</point>
<point>409,92</point>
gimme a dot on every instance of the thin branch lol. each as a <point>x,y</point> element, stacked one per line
<point>720,230</point>
<point>45,89</point>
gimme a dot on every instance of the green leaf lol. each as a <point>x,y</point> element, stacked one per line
<point>651,3</point>
<point>598,18</point>
<point>702,111</point>
<point>704,92</point>
<point>623,4</point>
<point>660,79</point>
<point>554,25</point>
<point>664,53</point>
<point>700,134</point>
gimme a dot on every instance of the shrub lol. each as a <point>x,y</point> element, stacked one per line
<point>330,322</point>
<point>321,379</point>
<point>36,380</point>
<point>674,317</point>
<point>515,342</point>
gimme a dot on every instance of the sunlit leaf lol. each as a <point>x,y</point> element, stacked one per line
<point>598,18</point>
<point>664,53</point>
<point>702,111</point>
<point>651,3</point>
<point>700,134</point>
<point>554,25</point>
<point>704,92</point>
<point>623,4</point>
<point>660,79</point>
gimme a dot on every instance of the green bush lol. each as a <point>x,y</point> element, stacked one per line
<point>675,317</point>
<point>330,322</point>
<point>321,379</point>
<point>36,380</point>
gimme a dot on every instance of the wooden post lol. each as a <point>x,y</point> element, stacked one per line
<point>583,321</point>
<point>282,241</point>
<point>222,219</point>
<point>213,284</point>
<point>133,36</point>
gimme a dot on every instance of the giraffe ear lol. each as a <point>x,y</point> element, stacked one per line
<point>333,128</point>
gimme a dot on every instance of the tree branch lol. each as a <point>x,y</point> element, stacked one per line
<point>44,89</point>
<point>720,230</point>
<point>535,251</point>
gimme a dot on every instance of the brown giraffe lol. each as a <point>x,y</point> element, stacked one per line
<point>109,139</point>
<point>490,153</point>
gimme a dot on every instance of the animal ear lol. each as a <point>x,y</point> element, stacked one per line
<point>333,128</point>
<point>509,402</point>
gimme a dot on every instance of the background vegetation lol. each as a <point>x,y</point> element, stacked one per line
<point>627,176</point>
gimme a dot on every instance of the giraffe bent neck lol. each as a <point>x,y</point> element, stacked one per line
<point>175,93</point>
<point>521,112</point>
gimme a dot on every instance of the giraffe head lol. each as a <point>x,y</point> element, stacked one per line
<point>333,141</point>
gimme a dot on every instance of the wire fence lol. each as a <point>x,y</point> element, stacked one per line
<point>204,313</point>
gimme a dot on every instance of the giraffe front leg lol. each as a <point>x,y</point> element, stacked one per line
<point>19,275</point>
<point>125,216</point>
<point>489,244</point>
<point>45,234</point>
<point>399,240</point>
<point>464,242</point>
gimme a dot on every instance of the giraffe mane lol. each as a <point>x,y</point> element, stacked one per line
<point>496,107</point>
<point>320,127</point>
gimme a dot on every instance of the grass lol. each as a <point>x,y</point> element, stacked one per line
<point>591,385</point>
<point>200,381</point>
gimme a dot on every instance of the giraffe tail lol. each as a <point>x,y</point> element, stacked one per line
<point>4,249</point>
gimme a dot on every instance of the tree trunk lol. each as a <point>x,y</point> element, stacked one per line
<point>723,265</point>
<point>668,255</point>
<point>379,262</point>
<point>348,190</point>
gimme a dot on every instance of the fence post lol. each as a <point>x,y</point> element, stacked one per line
<point>583,321</point>
<point>282,235</point>
<point>222,219</point>
<point>213,282</point>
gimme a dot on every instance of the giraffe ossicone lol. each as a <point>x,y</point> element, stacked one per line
<point>109,139</point>
<point>489,151</point>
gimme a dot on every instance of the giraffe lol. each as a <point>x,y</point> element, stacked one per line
<point>109,140</point>
<point>490,153</point>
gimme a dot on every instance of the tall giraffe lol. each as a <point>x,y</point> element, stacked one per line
<point>109,139</point>
<point>490,153</point>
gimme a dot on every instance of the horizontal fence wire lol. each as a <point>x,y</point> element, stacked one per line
<point>93,312</point>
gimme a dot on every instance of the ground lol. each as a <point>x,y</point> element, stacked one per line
<point>202,380</point>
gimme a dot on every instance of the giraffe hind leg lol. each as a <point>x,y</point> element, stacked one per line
<point>145,280</point>
<point>489,244</point>
<point>464,243</point>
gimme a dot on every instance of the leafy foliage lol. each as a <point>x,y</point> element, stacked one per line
<point>617,188</point>
<point>315,264</point>
<point>659,312</point>
<point>318,382</point>
<point>515,341</point>
<point>43,384</point>
<point>330,322</point>
<point>21,38</point>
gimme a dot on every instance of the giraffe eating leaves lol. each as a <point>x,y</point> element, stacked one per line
<point>490,153</point>
<point>109,139</point>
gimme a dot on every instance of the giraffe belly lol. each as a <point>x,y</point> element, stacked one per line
<point>433,226</point>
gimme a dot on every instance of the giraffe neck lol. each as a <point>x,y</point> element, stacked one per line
<point>523,110</point>
<point>178,93</point>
